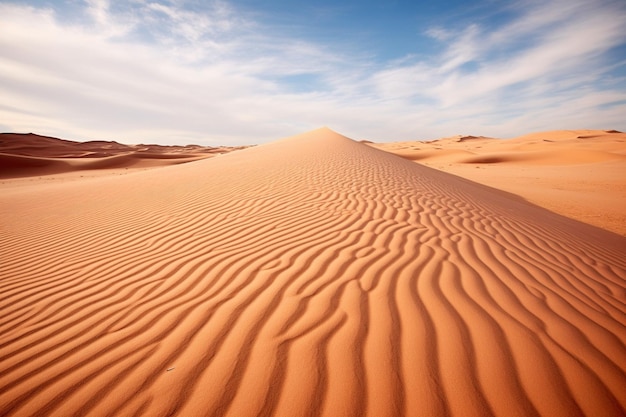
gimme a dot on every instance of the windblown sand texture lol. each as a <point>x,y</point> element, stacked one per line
<point>578,173</point>
<point>311,276</point>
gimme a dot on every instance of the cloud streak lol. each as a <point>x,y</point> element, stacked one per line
<point>150,71</point>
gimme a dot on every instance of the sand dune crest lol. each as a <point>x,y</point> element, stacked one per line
<point>27,155</point>
<point>310,276</point>
<point>576,173</point>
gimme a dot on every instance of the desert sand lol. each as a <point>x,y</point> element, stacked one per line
<point>312,276</point>
<point>577,173</point>
<point>27,155</point>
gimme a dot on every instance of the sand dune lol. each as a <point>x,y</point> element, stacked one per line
<point>313,276</point>
<point>578,173</point>
<point>26,155</point>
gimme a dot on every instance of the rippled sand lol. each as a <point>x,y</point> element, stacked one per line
<point>311,276</point>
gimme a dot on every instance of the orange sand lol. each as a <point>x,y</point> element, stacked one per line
<point>27,155</point>
<point>311,276</point>
<point>578,173</point>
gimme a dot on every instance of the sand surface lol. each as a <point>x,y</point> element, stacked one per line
<point>28,155</point>
<point>578,173</point>
<point>313,276</point>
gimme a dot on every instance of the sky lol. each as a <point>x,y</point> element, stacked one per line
<point>233,72</point>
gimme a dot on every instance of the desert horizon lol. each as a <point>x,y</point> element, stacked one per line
<point>314,275</point>
<point>541,167</point>
<point>237,208</point>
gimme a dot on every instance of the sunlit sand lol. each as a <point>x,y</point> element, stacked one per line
<point>318,276</point>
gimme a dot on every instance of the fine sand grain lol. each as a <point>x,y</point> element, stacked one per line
<point>313,276</point>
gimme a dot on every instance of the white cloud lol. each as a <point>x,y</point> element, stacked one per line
<point>558,48</point>
<point>462,50</point>
<point>149,71</point>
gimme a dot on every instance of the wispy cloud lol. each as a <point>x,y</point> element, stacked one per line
<point>550,55</point>
<point>166,71</point>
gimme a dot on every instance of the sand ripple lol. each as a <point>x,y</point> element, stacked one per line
<point>311,276</point>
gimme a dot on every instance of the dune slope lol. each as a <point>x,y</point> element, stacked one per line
<point>311,276</point>
<point>580,174</point>
<point>28,155</point>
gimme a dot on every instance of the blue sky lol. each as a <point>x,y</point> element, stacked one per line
<point>251,71</point>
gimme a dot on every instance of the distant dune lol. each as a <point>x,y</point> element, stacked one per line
<point>312,276</point>
<point>24,155</point>
<point>577,173</point>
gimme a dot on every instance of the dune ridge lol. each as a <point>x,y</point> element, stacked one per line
<point>310,276</point>
<point>28,154</point>
<point>577,173</point>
